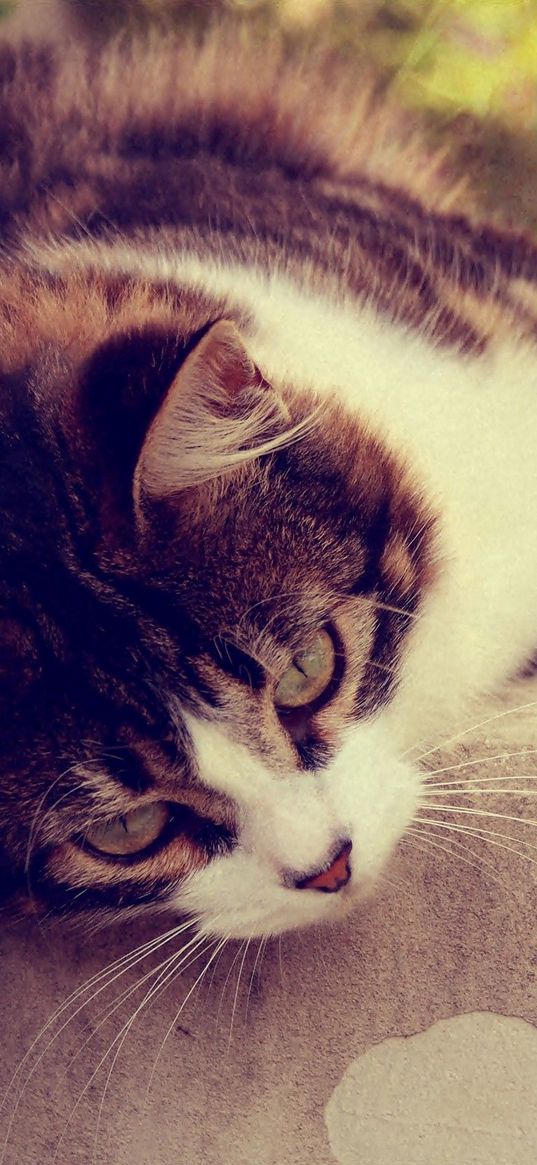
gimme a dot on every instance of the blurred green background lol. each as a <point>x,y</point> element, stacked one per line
<point>467,67</point>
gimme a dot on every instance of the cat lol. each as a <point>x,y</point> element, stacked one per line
<point>267,469</point>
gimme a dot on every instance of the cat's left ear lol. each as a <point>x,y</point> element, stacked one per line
<point>218,413</point>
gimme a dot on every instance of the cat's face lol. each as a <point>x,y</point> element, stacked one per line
<point>198,684</point>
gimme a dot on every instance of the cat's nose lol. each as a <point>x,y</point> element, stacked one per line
<point>331,878</point>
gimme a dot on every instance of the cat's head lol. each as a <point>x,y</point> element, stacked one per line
<point>210,584</point>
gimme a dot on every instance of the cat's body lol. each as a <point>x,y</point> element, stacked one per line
<point>204,257</point>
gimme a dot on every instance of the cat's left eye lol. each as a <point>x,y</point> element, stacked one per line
<point>131,833</point>
<point>309,675</point>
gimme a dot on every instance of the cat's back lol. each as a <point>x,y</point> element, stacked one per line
<point>162,131</point>
<point>234,151</point>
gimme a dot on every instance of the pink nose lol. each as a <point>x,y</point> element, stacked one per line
<point>331,880</point>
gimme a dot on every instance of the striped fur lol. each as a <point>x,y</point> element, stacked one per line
<point>213,278</point>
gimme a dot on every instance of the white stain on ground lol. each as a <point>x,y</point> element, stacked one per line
<point>462,1093</point>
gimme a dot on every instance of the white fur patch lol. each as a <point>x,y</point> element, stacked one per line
<point>291,824</point>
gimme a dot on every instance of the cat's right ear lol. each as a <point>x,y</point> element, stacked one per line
<point>218,414</point>
<point>165,416</point>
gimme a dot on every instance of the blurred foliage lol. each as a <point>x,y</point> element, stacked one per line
<point>469,67</point>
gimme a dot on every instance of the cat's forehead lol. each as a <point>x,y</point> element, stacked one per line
<point>281,549</point>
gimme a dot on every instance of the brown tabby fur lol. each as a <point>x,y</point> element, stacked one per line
<point>107,634</point>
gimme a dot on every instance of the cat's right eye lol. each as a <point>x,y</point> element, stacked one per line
<point>131,833</point>
<point>309,675</point>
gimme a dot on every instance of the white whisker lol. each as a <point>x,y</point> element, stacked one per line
<point>481,760</point>
<point>33,827</point>
<point>236,995</point>
<point>166,972</point>
<point>466,810</point>
<point>260,948</point>
<point>380,606</point>
<point>280,960</point>
<point>463,785</point>
<point>109,974</point>
<point>226,981</point>
<point>123,1032</point>
<point>220,944</point>
<point>215,968</point>
<point>435,843</point>
<point>110,1009</point>
<point>481,834</point>
<point>474,728</point>
<point>471,790</point>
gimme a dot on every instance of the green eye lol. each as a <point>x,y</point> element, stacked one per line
<point>309,675</point>
<point>132,832</point>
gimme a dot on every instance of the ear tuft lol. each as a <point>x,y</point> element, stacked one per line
<point>218,414</point>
